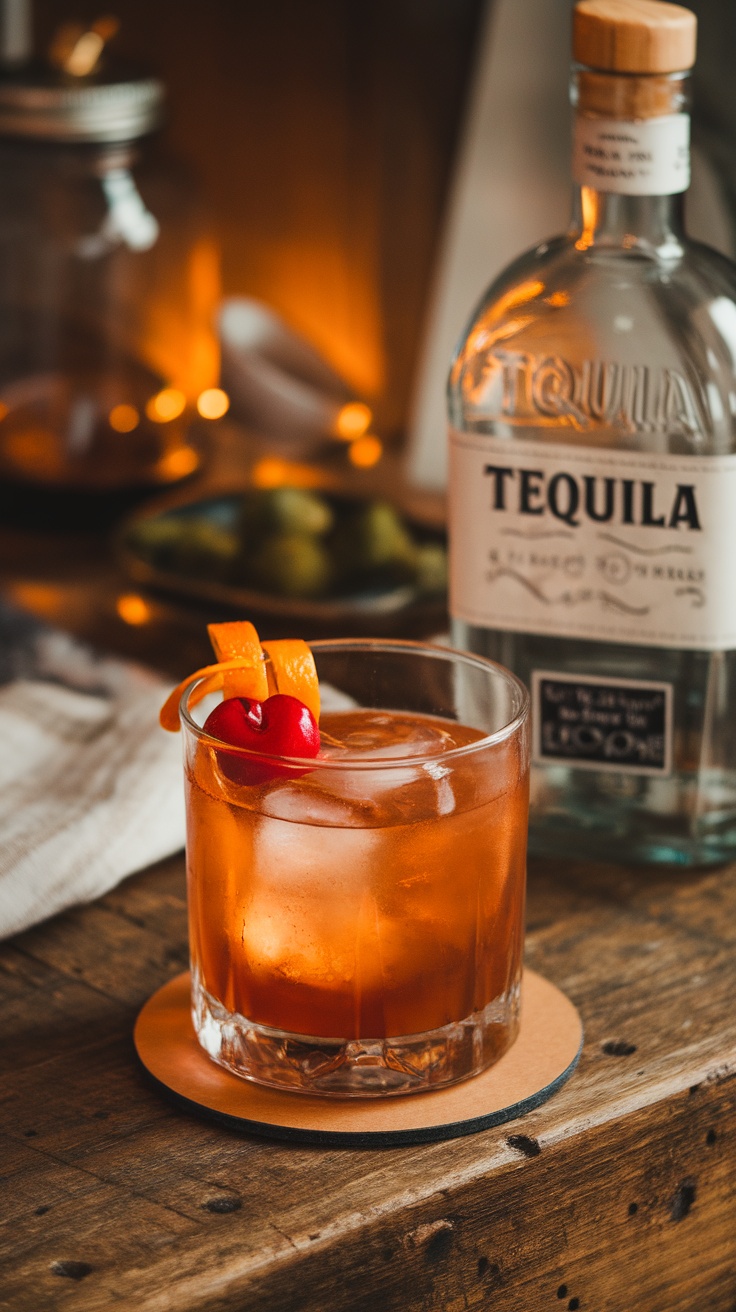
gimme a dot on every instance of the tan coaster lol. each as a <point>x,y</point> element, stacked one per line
<point>542,1058</point>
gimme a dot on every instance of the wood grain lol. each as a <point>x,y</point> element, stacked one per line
<point>618,1192</point>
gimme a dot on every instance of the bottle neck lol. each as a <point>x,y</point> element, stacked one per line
<point>647,224</point>
<point>631,162</point>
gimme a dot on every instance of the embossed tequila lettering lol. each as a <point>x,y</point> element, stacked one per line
<point>634,397</point>
<point>572,498</point>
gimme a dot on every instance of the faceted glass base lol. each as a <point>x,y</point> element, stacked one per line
<point>354,1068</point>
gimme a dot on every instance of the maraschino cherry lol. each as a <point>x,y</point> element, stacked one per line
<point>279,726</point>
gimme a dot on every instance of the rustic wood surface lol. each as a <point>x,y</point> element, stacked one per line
<point>617,1195</point>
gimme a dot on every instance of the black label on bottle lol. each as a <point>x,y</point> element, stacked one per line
<point>624,725</point>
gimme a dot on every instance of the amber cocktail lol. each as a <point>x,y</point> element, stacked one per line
<point>356,920</point>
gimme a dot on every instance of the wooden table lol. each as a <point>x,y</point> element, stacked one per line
<point>616,1196</point>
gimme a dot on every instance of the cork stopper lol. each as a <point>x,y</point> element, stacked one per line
<point>633,36</point>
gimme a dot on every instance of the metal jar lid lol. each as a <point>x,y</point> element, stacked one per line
<point>44,106</point>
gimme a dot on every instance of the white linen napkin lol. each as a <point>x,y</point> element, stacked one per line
<point>90,786</point>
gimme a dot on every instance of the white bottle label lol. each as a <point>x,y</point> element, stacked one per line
<point>579,542</point>
<point>649,157</point>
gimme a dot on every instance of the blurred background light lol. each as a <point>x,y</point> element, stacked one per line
<point>365,452</point>
<point>353,420</point>
<point>213,403</point>
<point>133,609</point>
<point>123,418</point>
<point>166,405</point>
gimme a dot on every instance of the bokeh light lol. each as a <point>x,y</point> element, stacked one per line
<point>353,420</point>
<point>213,403</point>
<point>178,463</point>
<point>133,609</point>
<point>166,405</point>
<point>365,452</point>
<point>123,418</point>
<point>272,471</point>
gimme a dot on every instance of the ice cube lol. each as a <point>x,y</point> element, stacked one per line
<point>338,803</point>
<point>378,735</point>
<point>308,883</point>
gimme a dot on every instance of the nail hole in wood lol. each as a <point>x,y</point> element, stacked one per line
<point>562,1291</point>
<point>524,1144</point>
<point>30,1134</point>
<point>710,1138</point>
<point>633,1209</point>
<point>618,1048</point>
<point>72,1270</point>
<point>41,1211</point>
<point>439,1245</point>
<point>482,1266</point>
<point>574,1304</point>
<point>222,1205</point>
<point>683,1200</point>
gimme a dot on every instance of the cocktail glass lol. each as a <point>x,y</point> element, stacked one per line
<point>356,920</point>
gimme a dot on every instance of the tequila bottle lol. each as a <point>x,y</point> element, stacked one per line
<point>592,408</point>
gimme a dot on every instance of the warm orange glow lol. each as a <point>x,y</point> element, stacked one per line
<point>589,203</point>
<point>3,410</point>
<point>123,418</point>
<point>132,609</point>
<point>483,337</point>
<point>558,299</point>
<point>213,403</point>
<point>41,598</point>
<point>166,405</point>
<point>107,26</point>
<point>353,420</point>
<point>270,471</point>
<point>327,294</point>
<point>178,341</point>
<point>83,57</point>
<point>36,451</point>
<point>178,463</point>
<point>365,451</point>
<point>511,300</point>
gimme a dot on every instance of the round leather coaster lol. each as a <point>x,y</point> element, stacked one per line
<point>543,1057</point>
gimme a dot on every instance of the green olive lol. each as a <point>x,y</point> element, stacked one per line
<point>431,567</point>
<point>292,565</point>
<point>373,546</point>
<point>187,545</point>
<point>282,510</point>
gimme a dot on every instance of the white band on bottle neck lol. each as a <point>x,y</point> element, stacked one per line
<point>648,157</point>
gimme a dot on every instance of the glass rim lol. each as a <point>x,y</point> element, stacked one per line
<point>388,646</point>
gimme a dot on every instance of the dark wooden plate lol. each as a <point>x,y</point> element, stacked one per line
<point>377,609</point>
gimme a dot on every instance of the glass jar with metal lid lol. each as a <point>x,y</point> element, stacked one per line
<point>108,286</point>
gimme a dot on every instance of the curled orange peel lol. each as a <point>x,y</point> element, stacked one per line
<point>246,668</point>
<point>250,681</point>
<point>294,671</point>
<point>237,640</point>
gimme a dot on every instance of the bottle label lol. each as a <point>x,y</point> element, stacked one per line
<point>602,724</point>
<point>650,157</point>
<point>579,542</point>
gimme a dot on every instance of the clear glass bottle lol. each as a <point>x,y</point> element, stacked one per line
<point>108,287</point>
<point>593,474</point>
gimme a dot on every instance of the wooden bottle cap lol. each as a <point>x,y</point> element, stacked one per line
<point>633,36</point>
